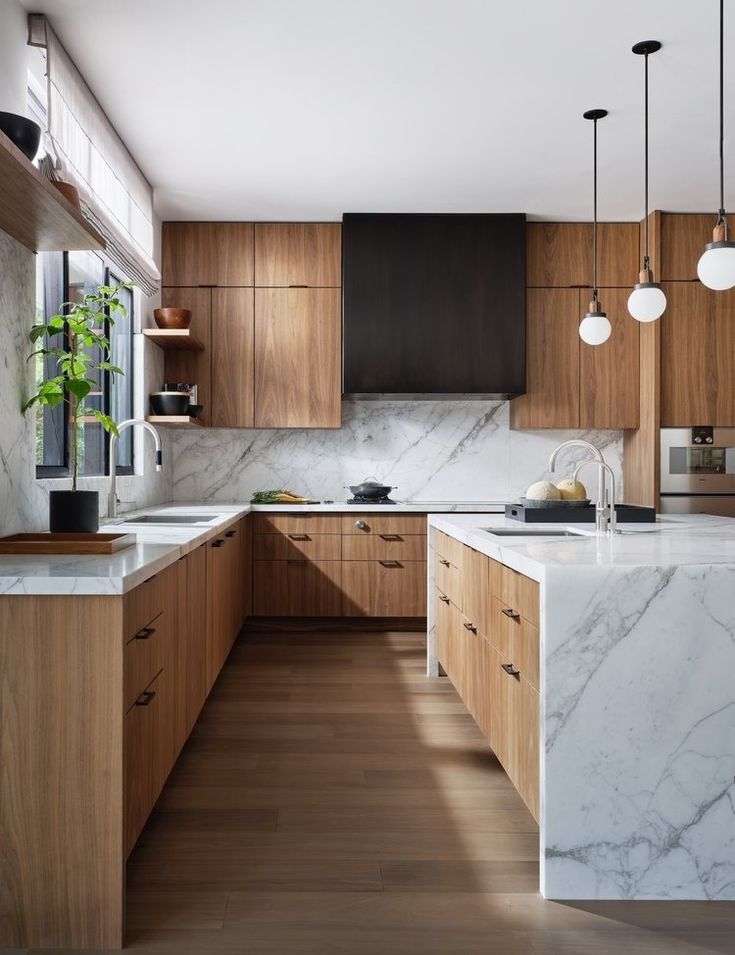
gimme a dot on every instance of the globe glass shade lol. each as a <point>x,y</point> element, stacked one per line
<point>647,302</point>
<point>716,268</point>
<point>595,328</point>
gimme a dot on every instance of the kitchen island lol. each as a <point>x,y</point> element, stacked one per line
<point>636,702</point>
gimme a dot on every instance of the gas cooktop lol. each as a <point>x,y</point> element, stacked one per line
<point>370,501</point>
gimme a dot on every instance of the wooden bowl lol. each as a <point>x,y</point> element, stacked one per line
<point>172,317</point>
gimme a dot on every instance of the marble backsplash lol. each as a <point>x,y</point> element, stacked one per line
<point>431,450</point>
<point>23,499</point>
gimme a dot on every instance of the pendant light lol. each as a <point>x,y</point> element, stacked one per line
<point>647,301</point>
<point>595,328</point>
<point>716,268</point>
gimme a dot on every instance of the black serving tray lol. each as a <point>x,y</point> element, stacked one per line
<point>562,514</point>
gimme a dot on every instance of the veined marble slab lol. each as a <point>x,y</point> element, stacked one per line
<point>637,706</point>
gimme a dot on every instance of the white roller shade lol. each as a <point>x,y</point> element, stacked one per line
<point>116,196</point>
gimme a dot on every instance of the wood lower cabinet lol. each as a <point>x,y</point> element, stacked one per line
<point>226,577</point>
<point>297,588</point>
<point>384,588</point>
<point>192,604</point>
<point>491,655</point>
<point>298,358</point>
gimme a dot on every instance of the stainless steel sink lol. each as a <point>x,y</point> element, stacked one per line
<point>528,532</point>
<point>173,519</point>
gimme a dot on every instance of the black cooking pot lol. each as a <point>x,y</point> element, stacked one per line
<point>371,490</point>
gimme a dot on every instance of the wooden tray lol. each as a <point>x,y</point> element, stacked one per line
<point>46,543</point>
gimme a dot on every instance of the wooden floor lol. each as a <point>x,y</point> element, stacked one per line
<point>332,799</point>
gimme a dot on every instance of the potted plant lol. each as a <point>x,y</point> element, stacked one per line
<point>82,352</point>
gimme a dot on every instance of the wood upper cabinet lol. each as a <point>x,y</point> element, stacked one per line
<point>683,237</point>
<point>559,254</point>
<point>298,358</point>
<point>552,361</point>
<point>609,373</point>
<point>298,253</point>
<point>208,253</point>
<point>697,349</point>
<point>232,355</point>
<point>192,367</point>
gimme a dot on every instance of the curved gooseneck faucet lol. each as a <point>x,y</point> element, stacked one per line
<point>605,518</point>
<point>131,422</point>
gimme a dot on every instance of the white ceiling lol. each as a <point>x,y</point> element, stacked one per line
<point>288,109</point>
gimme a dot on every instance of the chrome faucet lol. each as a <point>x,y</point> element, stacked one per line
<point>605,519</point>
<point>112,501</point>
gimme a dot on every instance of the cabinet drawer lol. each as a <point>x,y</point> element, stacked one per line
<point>297,588</point>
<point>476,589</point>
<point>448,579</point>
<point>384,547</point>
<point>147,600</point>
<point>516,639</point>
<point>384,524</point>
<point>373,588</point>
<point>449,548</point>
<point>297,545</point>
<point>515,591</point>
<point>296,524</point>
<point>146,654</point>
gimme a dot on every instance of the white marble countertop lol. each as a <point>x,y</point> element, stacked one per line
<point>673,541</point>
<point>417,507</point>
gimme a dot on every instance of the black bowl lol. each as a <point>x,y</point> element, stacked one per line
<point>170,403</point>
<point>23,132</point>
<point>195,410</point>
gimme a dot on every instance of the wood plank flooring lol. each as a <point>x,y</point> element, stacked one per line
<point>332,799</point>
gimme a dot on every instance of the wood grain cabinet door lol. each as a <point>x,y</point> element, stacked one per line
<point>609,376</point>
<point>384,588</point>
<point>290,254</point>
<point>207,253</point>
<point>298,358</point>
<point>552,361</point>
<point>194,607</point>
<point>232,353</point>
<point>297,588</point>
<point>559,254</point>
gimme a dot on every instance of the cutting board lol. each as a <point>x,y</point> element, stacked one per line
<point>65,543</point>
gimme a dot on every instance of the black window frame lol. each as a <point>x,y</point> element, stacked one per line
<point>46,471</point>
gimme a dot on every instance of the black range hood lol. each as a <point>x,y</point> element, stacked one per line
<point>434,305</point>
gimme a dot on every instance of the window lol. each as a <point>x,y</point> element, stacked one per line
<point>67,277</point>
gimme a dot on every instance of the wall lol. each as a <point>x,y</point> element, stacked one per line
<point>432,450</point>
<point>13,57</point>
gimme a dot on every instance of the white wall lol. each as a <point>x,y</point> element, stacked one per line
<point>13,57</point>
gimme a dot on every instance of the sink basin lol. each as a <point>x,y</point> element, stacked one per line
<point>527,532</point>
<point>174,519</point>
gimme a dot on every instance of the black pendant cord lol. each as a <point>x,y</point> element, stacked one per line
<point>721,219</point>
<point>645,188</point>
<point>594,218</point>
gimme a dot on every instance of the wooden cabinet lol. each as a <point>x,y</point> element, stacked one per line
<point>298,356</point>
<point>193,630</point>
<point>559,254</point>
<point>140,734</point>
<point>232,357</point>
<point>192,367</point>
<point>697,351</point>
<point>683,238</point>
<point>208,253</point>
<point>298,253</point>
<point>491,654</point>
<point>297,588</point>
<point>225,581</point>
<point>384,588</point>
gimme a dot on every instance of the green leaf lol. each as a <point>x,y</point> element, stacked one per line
<point>38,331</point>
<point>79,387</point>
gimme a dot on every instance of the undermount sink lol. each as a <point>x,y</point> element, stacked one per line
<point>173,519</point>
<point>528,532</point>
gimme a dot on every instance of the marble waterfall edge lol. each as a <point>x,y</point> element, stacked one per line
<point>639,730</point>
<point>432,450</point>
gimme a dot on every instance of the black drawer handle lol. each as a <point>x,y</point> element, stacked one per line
<point>299,537</point>
<point>512,614</point>
<point>145,633</point>
<point>146,698</point>
<point>510,669</point>
<point>470,626</point>
<point>390,563</point>
<point>230,533</point>
<point>391,537</point>
<point>444,599</point>
<point>218,543</point>
<point>443,562</point>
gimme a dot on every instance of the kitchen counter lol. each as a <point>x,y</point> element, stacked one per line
<point>637,636</point>
<point>400,507</point>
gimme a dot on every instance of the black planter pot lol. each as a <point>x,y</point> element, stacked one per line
<point>74,512</point>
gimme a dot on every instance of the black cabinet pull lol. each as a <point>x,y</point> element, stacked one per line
<point>444,599</point>
<point>146,698</point>
<point>444,563</point>
<point>391,537</point>
<point>218,543</point>
<point>470,626</point>
<point>230,533</point>
<point>390,563</point>
<point>510,669</point>
<point>512,614</point>
<point>145,633</point>
<point>299,537</point>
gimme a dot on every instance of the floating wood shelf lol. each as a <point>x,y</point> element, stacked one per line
<point>34,212</point>
<point>174,420</point>
<point>174,339</point>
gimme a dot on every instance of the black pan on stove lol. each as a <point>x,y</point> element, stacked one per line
<point>371,490</point>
